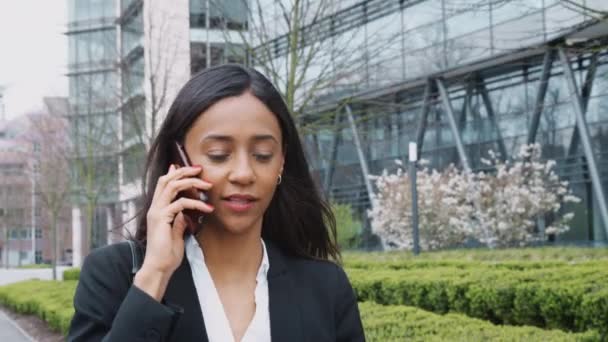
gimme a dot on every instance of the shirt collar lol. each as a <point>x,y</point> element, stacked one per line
<point>195,254</point>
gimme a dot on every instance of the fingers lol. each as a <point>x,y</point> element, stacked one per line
<point>169,213</point>
<point>175,186</point>
<point>179,226</point>
<point>188,203</point>
<point>177,180</point>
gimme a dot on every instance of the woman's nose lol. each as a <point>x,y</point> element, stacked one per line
<point>242,171</point>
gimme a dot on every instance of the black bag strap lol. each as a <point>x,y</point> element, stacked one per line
<point>135,257</point>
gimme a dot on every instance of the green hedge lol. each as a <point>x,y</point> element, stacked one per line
<point>543,254</point>
<point>71,274</point>
<point>403,323</point>
<point>570,298</point>
<point>49,300</point>
<point>52,301</point>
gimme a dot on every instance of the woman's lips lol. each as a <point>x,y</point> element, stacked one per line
<point>238,205</point>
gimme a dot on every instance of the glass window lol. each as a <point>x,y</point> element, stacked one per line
<point>230,14</point>
<point>133,118</point>
<point>133,78</point>
<point>198,13</point>
<point>134,160</point>
<point>198,57</point>
<point>132,32</point>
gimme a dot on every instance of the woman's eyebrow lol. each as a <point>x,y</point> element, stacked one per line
<point>228,138</point>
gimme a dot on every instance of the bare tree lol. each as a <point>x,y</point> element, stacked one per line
<point>51,170</point>
<point>304,51</point>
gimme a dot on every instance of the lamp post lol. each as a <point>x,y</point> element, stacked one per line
<point>34,178</point>
<point>5,236</point>
<point>413,161</point>
<point>34,211</point>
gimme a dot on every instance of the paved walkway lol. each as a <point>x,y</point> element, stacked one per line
<point>9,331</point>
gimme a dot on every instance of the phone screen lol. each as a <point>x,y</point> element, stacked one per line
<point>193,217</point>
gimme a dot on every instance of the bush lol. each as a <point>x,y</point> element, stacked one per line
<point>71,274</point>
<point>52,301</point>
<point>516,257</point>
<point>348,228</point>
<point>401,323</point>
<point>455,206</point>
<point>49,300</point>
<point>544,297</point>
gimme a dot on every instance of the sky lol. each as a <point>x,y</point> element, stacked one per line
<point>33,53</point>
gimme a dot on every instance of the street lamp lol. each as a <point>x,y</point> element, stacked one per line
<point>5,233</point>
<point>413,160</point>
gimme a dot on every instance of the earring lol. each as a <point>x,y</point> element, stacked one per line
<point>279,180</point>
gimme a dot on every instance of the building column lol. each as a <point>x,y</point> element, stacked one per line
<point>130,228</point>
<point>109,225</point>
<point>76,237</point>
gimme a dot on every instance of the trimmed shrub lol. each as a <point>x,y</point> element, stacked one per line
<point>404,323</point>
<point>49,300</point>
<point>544,297</point>
<point>71,274</point>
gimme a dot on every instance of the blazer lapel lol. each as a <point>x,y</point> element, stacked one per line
<point>181,292</point>
<point>285,320</point>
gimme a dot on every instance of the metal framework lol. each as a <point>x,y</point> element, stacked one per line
<point>335,24</point>
<point>360,154</point>
<point>437,92</point>
<point>583,131</point>
<point>453,126</point>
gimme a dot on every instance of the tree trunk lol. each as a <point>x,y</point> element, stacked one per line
<point>54,241</point>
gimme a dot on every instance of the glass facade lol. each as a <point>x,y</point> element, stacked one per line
<point>93,102</point>
<point>474,47</point>
<point>221,53</point>
<point>388,123</point>
<point>225,14</point>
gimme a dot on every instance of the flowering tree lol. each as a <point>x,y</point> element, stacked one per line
<point>497,209</point>
<point>516,195</point>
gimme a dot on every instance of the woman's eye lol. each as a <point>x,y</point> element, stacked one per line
<point>217,157</point>
<point>263,157</point>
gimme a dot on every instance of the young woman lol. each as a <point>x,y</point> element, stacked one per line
<point>259,264</point>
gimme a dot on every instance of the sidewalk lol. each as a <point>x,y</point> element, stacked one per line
<point>9,331</point>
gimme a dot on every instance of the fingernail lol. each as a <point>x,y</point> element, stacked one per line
<point>171,167</point>
<point>197,165</point>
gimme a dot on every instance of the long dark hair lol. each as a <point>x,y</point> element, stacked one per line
<point>297,220</point>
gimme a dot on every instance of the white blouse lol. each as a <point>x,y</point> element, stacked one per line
<point>216,322</point>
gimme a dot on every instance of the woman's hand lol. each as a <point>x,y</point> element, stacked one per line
<point>165,228</point>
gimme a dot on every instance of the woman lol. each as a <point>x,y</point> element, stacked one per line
<point>257,267</point>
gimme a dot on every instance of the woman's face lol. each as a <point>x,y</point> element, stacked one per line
<point>238,143</point>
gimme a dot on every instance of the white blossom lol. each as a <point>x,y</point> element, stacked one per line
<point>497,209</point>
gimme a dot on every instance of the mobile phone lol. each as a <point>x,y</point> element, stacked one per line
<point>194,217</point>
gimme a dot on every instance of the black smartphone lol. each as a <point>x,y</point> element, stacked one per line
<point>193,217</point>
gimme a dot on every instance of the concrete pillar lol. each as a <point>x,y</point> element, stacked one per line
<point>110,225</point>
<point>131,226</point>
<point>76,237</point>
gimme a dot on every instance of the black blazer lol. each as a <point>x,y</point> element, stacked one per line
<point>309,301</point>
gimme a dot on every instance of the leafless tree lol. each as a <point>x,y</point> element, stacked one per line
<point>297,46</point>
<point>48,133</point>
